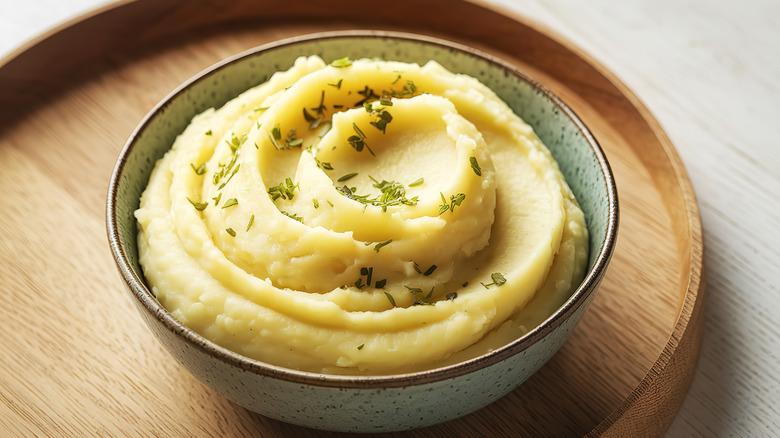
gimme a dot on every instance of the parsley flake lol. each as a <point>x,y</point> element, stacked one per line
<point>475,166</point>
<point>379,245</point>
<point>390,298</point>
<point>341,62</point>
<point>200,206</point>
<point>347,176</point>
<point>200,170</point>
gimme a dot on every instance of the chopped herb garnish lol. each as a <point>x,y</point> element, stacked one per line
<point>261,108</point>
<point>451,296</point>
<point>200,170</point>
<point>430,270</point>
<point>498,280</point>
<point>200,206</point>
<point>325,129</point>
<point>314,122</point>
<point>209,132</point>
<point>337,84</point>
<point>347,176</point>
<point>475,166</point>
<point>380,284</point>
<point>389,297</point>
<point>455,201</point>
<point>295,143</point>
<point>292,216</point>
<point>417,182</point>
<point>321,108</point>
<point>409,88</point>
<point>284,190</point>
<point>251,221</point>
<point>418,302</point>
<point>379,245</point>
<point>368,272</point>
<point>360,347</point>
<point>236,142</point>
<point>368,95</point>
<point>230,202</point>
<point>323,164</point>
<point>430,293</point>
<point>231,231</point>
<point>342,62</point>
<point>383,119</point>
<point>392,193</point>
<point>217,198</point>
<point>416,267</point>
<point>385,101</point>
<point>316,203</point>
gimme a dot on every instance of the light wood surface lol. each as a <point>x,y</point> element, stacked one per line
<point>77,359</point>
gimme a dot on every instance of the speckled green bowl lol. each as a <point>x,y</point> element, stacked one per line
<point>364,403</point>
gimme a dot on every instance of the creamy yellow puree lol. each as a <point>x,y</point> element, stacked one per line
<point>364,217</point>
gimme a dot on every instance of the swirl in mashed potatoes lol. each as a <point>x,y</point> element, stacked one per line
<point>365,217</point>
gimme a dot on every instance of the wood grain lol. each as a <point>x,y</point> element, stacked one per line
<point>76,358</point>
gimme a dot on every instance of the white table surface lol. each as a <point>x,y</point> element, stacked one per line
<point>710,73</point>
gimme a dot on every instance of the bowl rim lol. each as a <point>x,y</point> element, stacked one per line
<point>142,294</point>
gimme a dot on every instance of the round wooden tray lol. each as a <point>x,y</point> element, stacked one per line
<point>75,356</point>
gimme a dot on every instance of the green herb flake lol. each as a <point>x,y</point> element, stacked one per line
<point>341,62</point>
<point>217,198</point>
<point>417,182</point>
<point>251,221</point>
<point>321,107</point>
<point>360,347</point>
<point>347,176</point>
<point>230,202</point>
<point>209,132</point>
<point>323,164</point>
<point>389,297</point>
<point>325,129</point>
<point>455,201</point>
<point>200,170</point>
<point>383,119</point>
<point>292,216</point>
<point>379,245</point>
<point>231,231</point>
<point>337,84</point>
<point>285,190</point>
<point>200,206</point>
<point>316,203</point>
<point>498,278</point>
<point>380,283</point>
<point>416,267</point>
<point>430,270</point>
<point>451,296</point>
<point>475,166</point>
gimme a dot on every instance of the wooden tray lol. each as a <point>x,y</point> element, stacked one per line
<point>75,357</point>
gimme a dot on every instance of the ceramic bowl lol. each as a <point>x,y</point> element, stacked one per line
<point>364,403</point>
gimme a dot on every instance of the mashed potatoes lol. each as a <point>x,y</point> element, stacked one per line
<point>361,217</point>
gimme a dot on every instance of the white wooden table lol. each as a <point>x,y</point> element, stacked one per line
<point>710,72</point>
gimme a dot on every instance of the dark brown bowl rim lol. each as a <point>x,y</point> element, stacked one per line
<point>580,296</point>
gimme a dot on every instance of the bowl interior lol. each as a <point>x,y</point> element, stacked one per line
<point>577,153</point>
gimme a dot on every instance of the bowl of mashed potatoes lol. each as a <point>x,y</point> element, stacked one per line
<point>362,231</point>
